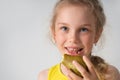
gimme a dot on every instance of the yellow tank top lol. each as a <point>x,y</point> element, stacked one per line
<point>56,74</point>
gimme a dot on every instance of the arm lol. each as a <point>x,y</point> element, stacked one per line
<point>43,75</point>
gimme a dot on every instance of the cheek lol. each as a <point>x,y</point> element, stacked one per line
<point>59,38</point>
<point>59,41</point>
<point>88,42</point>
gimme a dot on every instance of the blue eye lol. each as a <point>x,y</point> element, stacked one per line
<point>64,28</point>
<point>83,30</point>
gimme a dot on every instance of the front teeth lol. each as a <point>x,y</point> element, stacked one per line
<point>72,49</point>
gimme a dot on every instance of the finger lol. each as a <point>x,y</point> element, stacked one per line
<point>67,72</point>
<point>69,77</point>
<point>90,65</point>
<point>82,70</point>
<point>64,70</point>
<point>73,76</point>
<point>70,74</point>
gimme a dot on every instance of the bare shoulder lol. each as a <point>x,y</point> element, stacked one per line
<point>112,73</point>
<point>43,75</point>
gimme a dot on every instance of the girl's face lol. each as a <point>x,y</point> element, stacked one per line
<point>75,31</point>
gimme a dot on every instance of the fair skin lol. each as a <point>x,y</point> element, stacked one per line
<point>75,34</point>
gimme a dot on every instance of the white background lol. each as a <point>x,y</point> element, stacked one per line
<point>25,48</point>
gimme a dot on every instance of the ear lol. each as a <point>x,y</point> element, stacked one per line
<point>98,35</point>
<point>52,32</point>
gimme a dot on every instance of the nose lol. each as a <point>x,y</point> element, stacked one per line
<point>73,37</point>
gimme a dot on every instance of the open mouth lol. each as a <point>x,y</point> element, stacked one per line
<point>74,51</point>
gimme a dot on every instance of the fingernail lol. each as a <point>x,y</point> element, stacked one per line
<point>64,66</point>
<point>74,62</point>
<point>85,56</point>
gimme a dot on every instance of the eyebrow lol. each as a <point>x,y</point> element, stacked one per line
<point>79,25</point>
<point>63,23</point>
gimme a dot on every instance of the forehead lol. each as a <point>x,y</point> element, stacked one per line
<point>75,15</point>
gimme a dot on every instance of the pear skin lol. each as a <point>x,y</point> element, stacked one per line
<point>68,59</point>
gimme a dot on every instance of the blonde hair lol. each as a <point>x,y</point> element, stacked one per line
<point>96,8</point>
<point>93,5</point>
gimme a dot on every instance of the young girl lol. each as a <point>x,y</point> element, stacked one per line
<point>76,26</point>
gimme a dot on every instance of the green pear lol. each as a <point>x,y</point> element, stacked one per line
<point>68,59</point>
